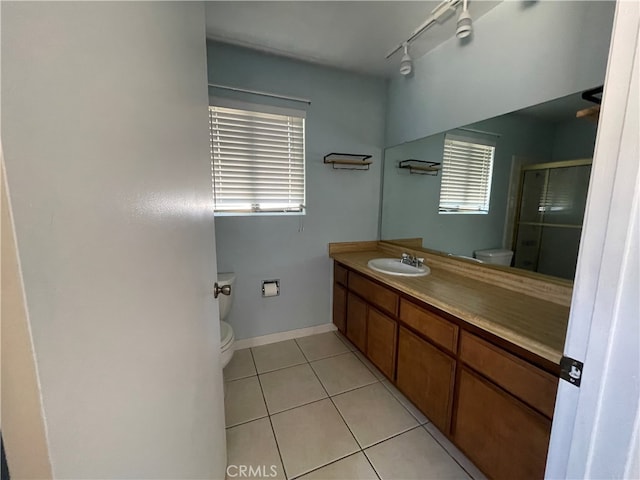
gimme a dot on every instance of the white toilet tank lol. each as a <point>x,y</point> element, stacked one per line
<point>225,301</point>
<point>496,256</point>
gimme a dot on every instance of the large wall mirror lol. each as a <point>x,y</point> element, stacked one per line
<point>531,166</point>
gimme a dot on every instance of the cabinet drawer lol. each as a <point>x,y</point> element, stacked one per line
<point>525,381</point>
<point>431,325</point>
<point>373,293</point>
<point>340,274</point>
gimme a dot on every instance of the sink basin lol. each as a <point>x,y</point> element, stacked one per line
<point>393,266</point>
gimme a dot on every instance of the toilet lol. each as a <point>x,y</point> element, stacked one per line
<point>227,339</point>
<point>495,256</point>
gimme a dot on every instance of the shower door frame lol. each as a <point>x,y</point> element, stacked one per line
<point>548,166</point>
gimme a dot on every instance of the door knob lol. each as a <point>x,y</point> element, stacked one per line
<point>217,290</point>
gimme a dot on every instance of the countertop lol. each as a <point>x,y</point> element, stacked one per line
<point>536,325</point>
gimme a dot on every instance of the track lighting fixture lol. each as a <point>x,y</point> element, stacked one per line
<point>406,64</point>
<point>464,27</point>
<point>440,14</point>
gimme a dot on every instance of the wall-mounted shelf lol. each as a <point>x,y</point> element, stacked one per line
<point>348,161</point>
<point>591,113</point>
<point>420,167</point>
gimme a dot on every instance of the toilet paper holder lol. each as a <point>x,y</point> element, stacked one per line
<point>271,288</point>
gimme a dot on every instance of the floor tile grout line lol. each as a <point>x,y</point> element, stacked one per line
<point>362,449</point>
<point>269,414</point>
<point>343,340</point>
<point>448,453</point>
<point>424,425</point>
<point>292,365</point>
<point>330,397</point>
<point>372,465</point>
<point>403,405</point>
<point>381,380</point>
<point>322,358</point>
<point>244,423</point>
<point>391,437</point>
<point>279,368</point>
<point>326,465</point>
<point>273,430</point>
<point>383,441</point>
<point>341,417</point>
<point>344,420</point>
<point>297,406</point>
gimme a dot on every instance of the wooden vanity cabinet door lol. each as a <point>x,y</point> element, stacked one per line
<point>340,274</point>
<point>340,307</point>
<point>381,341</point>
<point>425,375</point>
<point>357,321</point>
<point>500,434</point>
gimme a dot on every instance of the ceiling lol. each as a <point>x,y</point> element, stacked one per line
<point>353,35</point>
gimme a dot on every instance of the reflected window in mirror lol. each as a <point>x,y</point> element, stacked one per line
<point>540,220</point>
<point>467,168</point>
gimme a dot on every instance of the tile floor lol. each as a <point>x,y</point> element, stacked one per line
<point>315,408</point>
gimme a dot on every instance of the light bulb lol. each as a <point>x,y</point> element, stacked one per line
<point>406,64</point>
<point>464,25</point>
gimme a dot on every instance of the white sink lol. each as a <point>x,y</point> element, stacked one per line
<point>393,266</point>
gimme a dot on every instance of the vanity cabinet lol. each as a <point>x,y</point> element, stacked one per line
<point>501,435</point>
<point>340,282</point>
<point>438,330</point>
<point>491,399</point>
<point>377,295</point>
<point>381,341</point>
<point>530,384</point>
<point>368,321</point>
<point>357,322</point>
<point>507,400</point>
<point>426,376</point>
<point>340,308</point>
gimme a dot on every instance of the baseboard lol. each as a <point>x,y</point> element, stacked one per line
<point>279,337</point>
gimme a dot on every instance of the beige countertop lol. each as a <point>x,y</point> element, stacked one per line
<point>536,325</point>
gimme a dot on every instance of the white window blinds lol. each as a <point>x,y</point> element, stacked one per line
<point>466,174</point>
<point>257,161</point>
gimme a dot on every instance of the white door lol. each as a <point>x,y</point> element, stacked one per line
<point>105,136</point>
<point>595,426</point>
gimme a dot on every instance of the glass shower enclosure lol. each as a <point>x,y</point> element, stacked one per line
<point>549,219</point>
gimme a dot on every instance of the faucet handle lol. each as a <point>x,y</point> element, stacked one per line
<point>419,261</point>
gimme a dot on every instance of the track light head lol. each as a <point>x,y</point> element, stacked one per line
<point>465,26</point>
<point>406,64</point>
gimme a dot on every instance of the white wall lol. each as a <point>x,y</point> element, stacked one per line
<point>346,115</point>
<point>521,53</point>
<point>104,126</point>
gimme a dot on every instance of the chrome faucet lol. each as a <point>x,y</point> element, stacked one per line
<point>411,260</point>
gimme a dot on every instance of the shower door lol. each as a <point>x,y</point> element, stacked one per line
<point>550,214</point>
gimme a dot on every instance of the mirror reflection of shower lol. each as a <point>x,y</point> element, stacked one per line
<point>551,203</point>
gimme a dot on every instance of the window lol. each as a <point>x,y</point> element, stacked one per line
<point>466,174</point>
<point>257,158</point>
